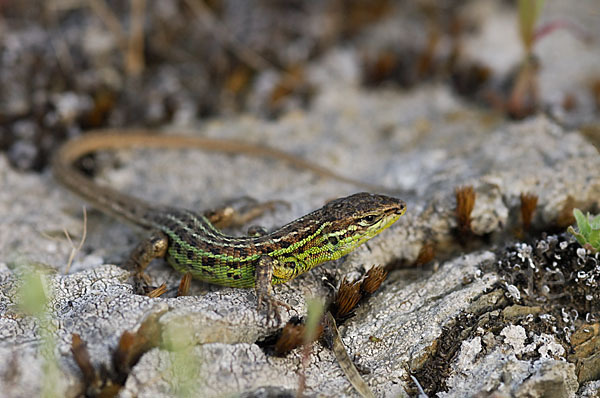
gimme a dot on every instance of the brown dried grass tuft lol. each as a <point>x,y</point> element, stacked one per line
<point>465,203</point>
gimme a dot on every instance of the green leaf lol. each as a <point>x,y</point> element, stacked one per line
<point>33,297</point>
<point>595,223</point>
<point>580,238</point>
<point>529,11</point>
<point>315,308</point>
<point>582,222</point>
<point>594,239</point>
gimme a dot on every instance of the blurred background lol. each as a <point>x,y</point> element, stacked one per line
<point>67,66</point>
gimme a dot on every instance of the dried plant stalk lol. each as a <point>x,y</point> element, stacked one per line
<point>159,291</point>
<point>134,60</point>
<point>184,284</point>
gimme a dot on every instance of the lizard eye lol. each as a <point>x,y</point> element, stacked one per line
<point>368,220</point>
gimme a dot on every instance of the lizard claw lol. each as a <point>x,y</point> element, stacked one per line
<point>271,305</point>
<point>141,283</point>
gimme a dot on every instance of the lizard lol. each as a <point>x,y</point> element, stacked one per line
<point>191,243</point>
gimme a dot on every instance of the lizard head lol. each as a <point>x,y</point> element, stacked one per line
<point>357,218</point>
<point>334,231</point>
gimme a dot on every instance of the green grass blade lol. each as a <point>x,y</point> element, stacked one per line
<point>315,308</point>
<point>582,222</point>
<point>594,239</point>
<point>529,11</point>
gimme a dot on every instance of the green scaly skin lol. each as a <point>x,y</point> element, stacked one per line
<point>190,243</point>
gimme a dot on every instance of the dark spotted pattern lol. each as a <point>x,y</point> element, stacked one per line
<point>196,246</point>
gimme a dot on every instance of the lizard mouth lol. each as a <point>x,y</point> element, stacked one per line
<point>400,211</point>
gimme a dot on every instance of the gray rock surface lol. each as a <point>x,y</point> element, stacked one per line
<point>405,317</point>
<point>422,144</point>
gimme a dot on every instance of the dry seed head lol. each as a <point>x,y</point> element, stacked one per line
<point>184,284</point>
<point>528,206</point>
<point>292,336</point>
<point>347,297</point>
<point>133,345</point>
<point>565,216</point>
<point>82,358</point>
<point>159,291</point>
<point>426,254</point>
<point>375,277</point>
<point>465,202</point>
<point>128,344</point>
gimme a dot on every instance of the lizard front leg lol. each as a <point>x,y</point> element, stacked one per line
<point>264,288</point>
<point>155,246</point>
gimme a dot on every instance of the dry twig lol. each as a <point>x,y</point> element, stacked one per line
<point>75,250</point>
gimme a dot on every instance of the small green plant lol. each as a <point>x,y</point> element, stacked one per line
<point>34,300</point>
<point>588,234</point>
<point>529,12</point>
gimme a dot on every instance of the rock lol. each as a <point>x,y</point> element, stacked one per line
<point>553,380</point>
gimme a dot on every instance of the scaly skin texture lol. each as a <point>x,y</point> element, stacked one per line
<point>190,243</point>
<point>326,234</point>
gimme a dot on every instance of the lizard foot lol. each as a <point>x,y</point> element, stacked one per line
<point>272,306</point>
<point>141,283</point>
<point>230,216</point>
<point>264,289</point>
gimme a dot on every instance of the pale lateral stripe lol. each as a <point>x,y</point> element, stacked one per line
<point>232,241</point>
<point>298,244</point>
<point>207,223</point>
<point>206,226</point>
<point>202,253</point>
<point>205,235</point>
